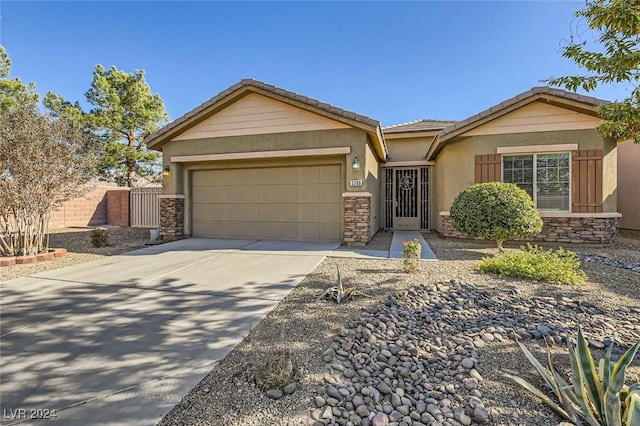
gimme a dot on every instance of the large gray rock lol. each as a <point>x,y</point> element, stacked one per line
<point>380,419</point>
<point>274,393</point>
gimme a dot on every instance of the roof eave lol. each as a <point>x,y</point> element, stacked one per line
<point>381,145</point>
<point>238,90</point>
<point>198,114</point>
<point>560,98</point>
<point>411,134</point>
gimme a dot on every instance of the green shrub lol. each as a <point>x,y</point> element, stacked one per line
<point>411,255</point>
<point>533,262</point>
<point>99,237</point>
<point>495,210</point>
<point>597,395</point>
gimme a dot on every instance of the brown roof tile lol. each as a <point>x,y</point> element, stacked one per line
<point>541,90</point>
<point>418,126</point>
<point>314,103</point>
<point>534,93</point>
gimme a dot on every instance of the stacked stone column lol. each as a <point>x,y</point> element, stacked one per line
<point>171,216</point>
<point>357,212</point>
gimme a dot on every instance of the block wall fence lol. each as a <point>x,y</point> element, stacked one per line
<point>103,205</point>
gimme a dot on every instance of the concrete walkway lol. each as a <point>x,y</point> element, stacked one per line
<point>121,340</point>
<point>395,250</point>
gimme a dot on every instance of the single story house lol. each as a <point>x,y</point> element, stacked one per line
<point>257,161</point>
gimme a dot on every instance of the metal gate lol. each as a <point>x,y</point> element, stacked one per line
<point>144,207</point>
<point>405,198</point>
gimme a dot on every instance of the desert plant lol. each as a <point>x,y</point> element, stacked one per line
<point>99,237</point>
<point>339,293</point>
<point>597,396</point>
<point>533,262</point>
<point>495,210</point>
<point>276,371</point>
<point>272,359</point>
<point>411,255</point>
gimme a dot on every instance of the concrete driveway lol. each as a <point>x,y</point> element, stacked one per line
<point>121,340</point>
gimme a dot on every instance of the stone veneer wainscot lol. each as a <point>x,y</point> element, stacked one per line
<point>172,215</point>
<point>357,211</point>
<point>576,228</point>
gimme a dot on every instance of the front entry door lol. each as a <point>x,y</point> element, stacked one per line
<point>405,198</point>
<point>406,212</point>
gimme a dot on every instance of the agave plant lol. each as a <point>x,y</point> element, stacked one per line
<point>597,396</point>
<point>339,293</point>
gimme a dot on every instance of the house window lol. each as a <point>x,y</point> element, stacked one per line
<point>545,177</point>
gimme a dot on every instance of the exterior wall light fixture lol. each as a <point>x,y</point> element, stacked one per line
<point>166,171</point>
<point>355,165</point>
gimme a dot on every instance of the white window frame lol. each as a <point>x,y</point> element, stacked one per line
<point>535,175</point>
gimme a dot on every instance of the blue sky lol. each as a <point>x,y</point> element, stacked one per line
<point>392,61</point>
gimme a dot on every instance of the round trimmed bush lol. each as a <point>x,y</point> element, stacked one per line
<point>495,210</point>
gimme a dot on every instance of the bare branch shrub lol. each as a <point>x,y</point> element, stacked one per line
<point>44,162</point>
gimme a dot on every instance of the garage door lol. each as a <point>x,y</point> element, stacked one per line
<point>285,203</point>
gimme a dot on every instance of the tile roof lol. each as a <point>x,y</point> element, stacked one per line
<point>248,83</point>
<point>418,126</point>
<point>531,95</point>
<point>541,90</point>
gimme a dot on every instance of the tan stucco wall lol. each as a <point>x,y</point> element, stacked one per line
<point>409,149</point>
<point>353,138</point>
<point>586,139</point>
<point>372,183</point>
<point>178,182</point>
<point>538,116</point>
<point>266,116</point>
<point>609,176</point>
<point>453,171</point>
<point>455,165</point>
<point>629,184</point>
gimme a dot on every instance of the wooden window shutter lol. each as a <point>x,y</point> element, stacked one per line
<point>488,168</point>
<point>586,181</point>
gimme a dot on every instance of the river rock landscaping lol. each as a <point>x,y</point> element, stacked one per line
<point>430,348</point>
<point>413,360</point>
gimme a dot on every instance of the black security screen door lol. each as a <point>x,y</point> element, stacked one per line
<point>407,193</point>
<point>405,198</point>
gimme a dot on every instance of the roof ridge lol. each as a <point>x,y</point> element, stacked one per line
<point>309,100</point>
<point>274,90</point>
<point>537,90</point>
<point>526,97</point>
<point>432,120</point>
<point>401,124</point>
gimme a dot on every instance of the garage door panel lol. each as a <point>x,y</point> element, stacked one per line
<point>330,175</point>
<point>209,193</point>
<point>289,193</point>
<point>289,174</point>
<point>311,175</point>
<point>320,192</point>
<point>276,203</point>
<point>269,176</point>
<point>209,212</point>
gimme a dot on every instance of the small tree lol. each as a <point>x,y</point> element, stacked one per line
<point>614,59</point>
<point>495,210</point>
<point>44,161</point>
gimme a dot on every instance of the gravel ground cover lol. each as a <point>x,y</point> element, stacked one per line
<point>380,241</point>
<point>425,349</point>
<point>80,250</point>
